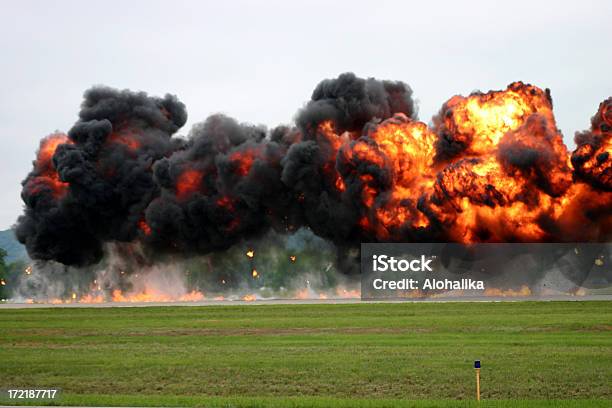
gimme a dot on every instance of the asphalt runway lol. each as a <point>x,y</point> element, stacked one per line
<point>304,301</point>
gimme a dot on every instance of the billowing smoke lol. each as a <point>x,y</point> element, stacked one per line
<point>93,185</point>
<point>224,185</point>
<point>591,159</point>
<point>357,166</point>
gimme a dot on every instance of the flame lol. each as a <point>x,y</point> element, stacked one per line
<point>193,296</point>
<point>127,138</point>
<point>28,270</point>
<point>339,183</point>
<point>524,291</point>
<point>144,296</point>
<point>144,227</point>
<point>243,160</point>
<point>409,146</point>
<point>593,159</point>
<point>188,182</point>
<point>488,192</point>
<point>91,298</point>
<point>2,282</point>
<point>326,134</point>
<point>493,168</point>
<point>48,146</point>
<point>226,202</point>
<point>47,178</point>
<point>152,295</point>
<point>483,119</point>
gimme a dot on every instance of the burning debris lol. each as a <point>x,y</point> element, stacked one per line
<point>357,167</point>
<point>524,291</point>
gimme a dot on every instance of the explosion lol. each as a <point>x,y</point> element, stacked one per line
<point>591,160</point>
<point>44,179</point>
<point>357,166</point>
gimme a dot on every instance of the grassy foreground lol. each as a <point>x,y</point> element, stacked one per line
<point>358,355</point>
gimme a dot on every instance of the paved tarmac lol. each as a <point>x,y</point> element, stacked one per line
<point>304,301</point>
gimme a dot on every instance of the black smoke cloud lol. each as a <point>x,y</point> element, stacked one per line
<point>108,163</point>
<point>223,186</point>
<point>312,167</point>
<point>591,159</point>
<point>351,102</point>
<point>129,179</point>
<point>120,177</point>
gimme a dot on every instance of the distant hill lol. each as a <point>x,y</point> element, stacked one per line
<point>9,243</point>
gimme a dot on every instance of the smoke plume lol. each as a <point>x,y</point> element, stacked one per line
<point>357,166</point>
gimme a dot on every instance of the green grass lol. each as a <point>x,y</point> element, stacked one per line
<point>314,402</point>
<point>358,355</point>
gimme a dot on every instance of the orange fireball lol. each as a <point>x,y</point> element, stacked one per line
<point>188,183</point>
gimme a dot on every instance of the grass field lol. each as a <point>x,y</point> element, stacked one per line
<point>358,355</point>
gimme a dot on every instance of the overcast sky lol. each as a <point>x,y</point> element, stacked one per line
<point>260,62</point>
